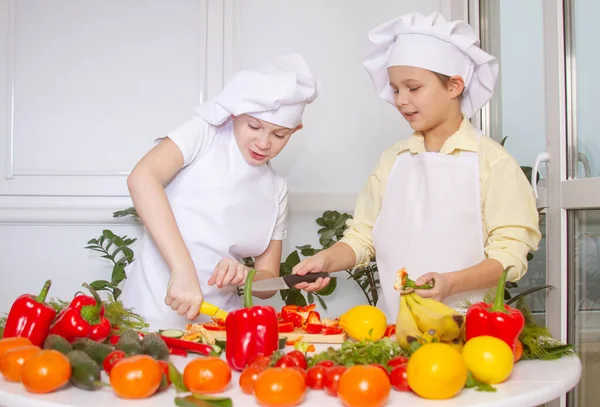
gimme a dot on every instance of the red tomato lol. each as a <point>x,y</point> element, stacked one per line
<point>260,360</point>
<point>111,360</point>
<point>332,379</point>
<point>326,363</point>
<point>315,377</point>
<point>302,372</point>
<point>398,378</point>
<point>286,361</point>
<point>299,358</point>
<point>397,361</point>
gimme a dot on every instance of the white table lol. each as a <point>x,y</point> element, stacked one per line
<point>531,384</point>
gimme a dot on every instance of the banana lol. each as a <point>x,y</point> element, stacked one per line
<point>407,330</point>
<point>447,326</point>
<point>434,305</point>
<point>456,343</point>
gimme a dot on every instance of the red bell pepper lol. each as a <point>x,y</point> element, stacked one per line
<point>497,319</point>
<point>251,330</point>
<point>299,315</point>
<point>83,318</point>
<point>332,330</point>
<point>314,328</point>
<point>30,317</point>
<point>286,327</point>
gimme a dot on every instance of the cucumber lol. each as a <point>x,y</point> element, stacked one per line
<point>130,343</point>
<point>57,342</point>
<point>282,341</point>
<point>153,345</point>
<point>172,333</point>
<point>85,373</point>
<point>96,350</point>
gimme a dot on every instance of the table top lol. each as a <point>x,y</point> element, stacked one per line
<point>531,383</point>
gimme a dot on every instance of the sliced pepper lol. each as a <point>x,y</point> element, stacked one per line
<point>390,330</point>
<point>332,330</point>
<point>313,318</point>
<point>211,326</point>
<point>292,342</point>
<point>314,328</point>
<point>299,315</point>
<point>285,327</point>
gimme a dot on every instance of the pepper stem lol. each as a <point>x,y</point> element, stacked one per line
<point>248,288</point>
<point>498,305</point>
<point>44,293</point>
<point>91,313</point>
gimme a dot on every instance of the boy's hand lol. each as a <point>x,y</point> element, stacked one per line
<point>184,294</point>
<point>229,271</point>
<point>312,264</point>
<point>440,290</point>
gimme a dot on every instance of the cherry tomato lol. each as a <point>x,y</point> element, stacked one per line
<point>248,378</point>
<point>326,363</point>
<point>299,358</point>
<point>286,361</point>
<point>332,379</point>
<point>111,360</point>
<point>260,360</point>
<point>315,377</point>
<point>398,377</point>
<point>397,361</point>
<point>166,380</point>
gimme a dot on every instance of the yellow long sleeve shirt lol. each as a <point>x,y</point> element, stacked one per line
<point>509,215</point>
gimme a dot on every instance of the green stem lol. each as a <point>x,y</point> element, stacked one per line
<point>91,313</point>
<point>248,289</point>
<point>44,293</point>
<point>411,284</point>
<point>498,305</point>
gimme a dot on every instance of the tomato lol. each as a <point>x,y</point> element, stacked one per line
<point>46,371</point>
<point>383,369</point>
<point>111,360</point>
<point>136,377</point>
<point>399,378</point>
<point>315,377</point>
<point>12,360</point>
<point>436,371</point>
<point>490,359</point>
<point>299,358</point>
<point>301,371</point>
<point>248,378</point>
<point>286,361</point>
<point>397,361</point>
<point>260,360</point>
<point>13,342</point>
<point>166,380</point>
<point>518,350</point>
<point>332,379</point>
<point>326,363</point>
<point>207,375</point>
<point>364,386</point>
<point>278,387</point>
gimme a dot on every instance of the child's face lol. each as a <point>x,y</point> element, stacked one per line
<point>260,141</point>
<point>422,98</point>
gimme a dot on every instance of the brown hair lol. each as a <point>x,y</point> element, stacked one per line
<point>446,81</point>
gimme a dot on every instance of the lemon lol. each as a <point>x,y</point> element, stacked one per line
<point>436,371</point>
<point>489,359</point>
<point>364,322</point>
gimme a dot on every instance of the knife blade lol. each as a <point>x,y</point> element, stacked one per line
<point>285,282</point>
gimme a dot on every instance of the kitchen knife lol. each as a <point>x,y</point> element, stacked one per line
<point>285,282</point>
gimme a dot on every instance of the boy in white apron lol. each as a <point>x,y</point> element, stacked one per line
<point>208,197</point>
<point>448,203</point>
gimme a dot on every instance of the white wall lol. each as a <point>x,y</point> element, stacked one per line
<point>91,84</point>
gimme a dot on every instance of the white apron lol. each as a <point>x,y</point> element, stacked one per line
<point>224,207</point>
<point>430,221</point>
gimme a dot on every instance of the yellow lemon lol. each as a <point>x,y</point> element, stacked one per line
<point>364,322</point>
<point>489,359</point>
<point>436,371</point>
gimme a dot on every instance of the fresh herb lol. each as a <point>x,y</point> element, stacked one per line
<point>479,386</point>
<point>177,379</point>
<point>198,400</point>
<point>360,353</point>
<point>2,324</point>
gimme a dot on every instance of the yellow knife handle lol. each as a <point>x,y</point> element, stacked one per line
<point>212,310</point>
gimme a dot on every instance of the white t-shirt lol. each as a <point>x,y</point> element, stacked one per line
<point>194,139</point>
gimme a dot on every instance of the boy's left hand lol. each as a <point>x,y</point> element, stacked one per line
<point>440,290</point>
<point>229,271</point>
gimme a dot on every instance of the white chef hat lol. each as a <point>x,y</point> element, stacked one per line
<point>276,92</point>
<point>431,42</point>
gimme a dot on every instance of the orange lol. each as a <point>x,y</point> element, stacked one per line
<point>46,371</point>
<point>207,375</point>
<point>136,377</point>
<point>364,386</point>
<point>12,360</point>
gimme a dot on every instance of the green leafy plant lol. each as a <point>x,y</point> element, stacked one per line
<point>116,249</point>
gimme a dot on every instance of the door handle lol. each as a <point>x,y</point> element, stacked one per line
<point>541,158</point>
